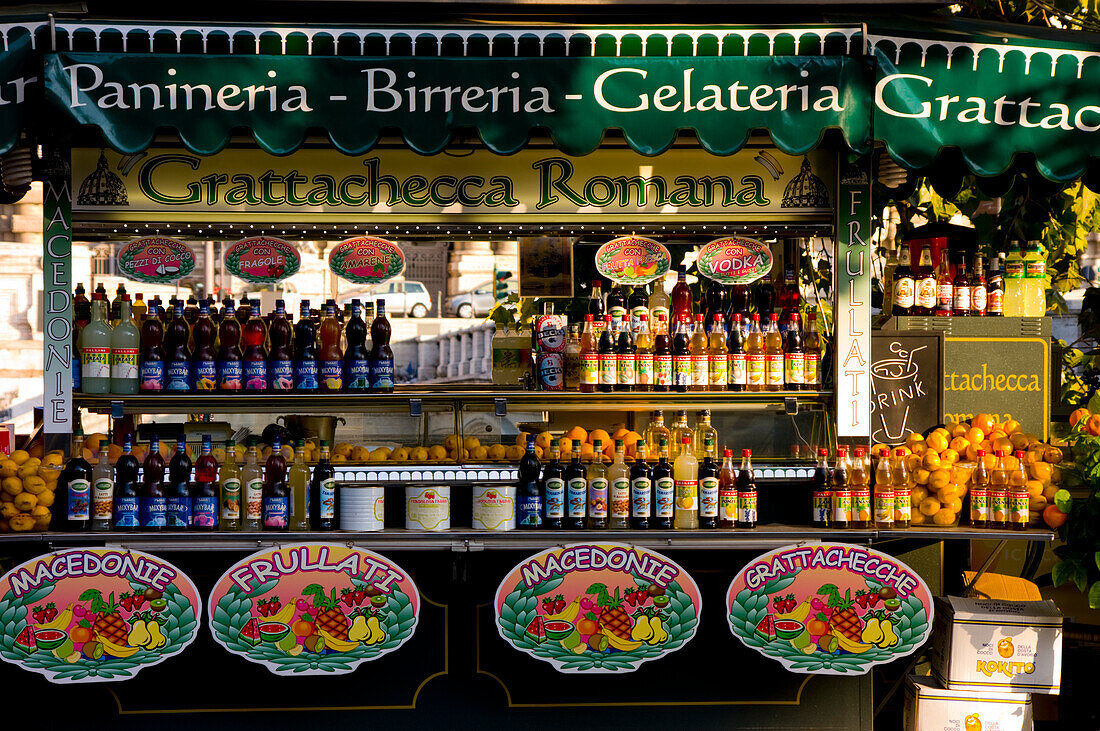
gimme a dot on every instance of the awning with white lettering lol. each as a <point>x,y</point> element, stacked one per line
<point>19,78</point>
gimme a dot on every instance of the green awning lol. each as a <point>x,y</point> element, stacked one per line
<point>19,79</point>
<point>986,96</point>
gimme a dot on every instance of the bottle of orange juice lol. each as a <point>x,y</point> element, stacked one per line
<point>1018,497</point>
<point>860,482</point>
<point>979,493</point>
<point>903,490</point>
<point>884,492</point>
<point>998,493</point>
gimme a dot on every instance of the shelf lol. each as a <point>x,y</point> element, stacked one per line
<point>329,403</point>
<point>462,540</point>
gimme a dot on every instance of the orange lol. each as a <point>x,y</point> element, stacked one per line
<point>972,453</point>
<point>916,518</point>
<point>1052,455</point>
<point>984,422</point>
<point>1041,471</point>
<point>920,476</point>
<point>1053,517</point>
<point>632,438</point>
<point>1037,503</point>
<point>913,462</point>
<point>1093,425</point>
<point>959,429</point>
<point>949,457</point>
<point>1002,443</point>
<point>599,434</point>
<point>1034,488</point>
<point>948,492</point>
<point>917,495</point>
<point>577,434</point>
<point>620,433</point>
<point>920,448</point>
<point>931,461</point>
<point>543,440</point>
<point>1011,427</point>
<point>975,435</point>
<point>1077,415</point>
<point>929,506</point>
<point>937,441</point>
<point>954,505</point>
<point>913,439</point>
<point>939,479</point>
<point>1018,441</point>
<point>586,451</point>
<point>944,516</point>
<point>959,444</point>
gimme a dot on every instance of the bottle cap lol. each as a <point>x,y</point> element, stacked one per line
<point>884,452</point>
<point>822,452</point>
<point>756,317</point>
<point>727,452</point>
<point>746,452</point>
<point>718,317</point>
<point>899,452</point>
<point>1000,453</point>
<point>841,451</point>
<point>102,444</point>
<point>981,452</point>
<point>699,317</point>
<point>685,440</point>
<point>588,318</point>
<point>644,318</point>
<point>737,317</point>
<point>860,451</point>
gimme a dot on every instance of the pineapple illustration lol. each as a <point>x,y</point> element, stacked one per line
<point>109,623</point>
<point>329,616</point>
<point>844,619</point>
<point>614,619</point>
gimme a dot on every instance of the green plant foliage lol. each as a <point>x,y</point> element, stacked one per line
<point>1079,556</point>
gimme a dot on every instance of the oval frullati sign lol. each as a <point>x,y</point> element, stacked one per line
<point>262,259</point>
<point>366,260</point>
<point>156,259</point>
<point>735,260</point>
<point>633,260</point>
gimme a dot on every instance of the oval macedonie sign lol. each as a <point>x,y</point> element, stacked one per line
<point>156,259</point>
<point>829,608</point>
<point>262,259</point>
<point>597,608</point>
<point>735,260</point>
<point>313,608</point>
<point>366,260</point>
<point>633,260</point>
<point>89,615</point>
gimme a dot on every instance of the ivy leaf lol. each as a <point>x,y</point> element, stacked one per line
<point>1063,571</point>
<point>1094,595</point>
<point>1064,501</point>
<point>1096,557</point>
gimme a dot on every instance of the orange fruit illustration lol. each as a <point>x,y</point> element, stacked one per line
<point>1005,648</point>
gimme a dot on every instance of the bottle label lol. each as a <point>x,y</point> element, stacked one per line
<point>609,369</point>
<point>746,506</point>
<point>1017,508</point>
<point>687,494</point>
<point>124,363</point>
<point>332,374</point>
<point>357,374</point>
<point>529,510</point>
<point>590,369</point>
<point>126,512</point>
<point>1035,269</point>
<point>700,370</point>
<point>305,375</point>
<point>381,374</point>
<point>230,375</point>
<point>205,509</point>
<point>738,374</point>
<point>96,363</point>
<point>794,368</point>
<point>681,370</point>
<point>979,505</point>
<point>280,375</point>
<point>636,319</point>
<point>328,498</point>
<point>177,375</point>
<point>655,315</point>
<point>617,313</point>
<point>842,506</point>
<point>253,499</point>
<point>179,511</point>
<point>626,364</point>
<point>903,506</point>
<point>619,498</point>
<point>80,504</point>
<point>823,505</point>
<point>979,299</point>
<point>205,373</point>
<point>578,497</point>
<point>926,293</point>
<point>662,370</point>
<point>774,364</point>
<point>903,292</point>
<point>640,489</point>
<point>945,296</point>
<point>664,492</point>
<point>717,366</point>
<point>231,499</point>
<point>643,364</point>
<point>708,497</point>
<point>154,512</point>
<point>998,505</point>
<point>275,512</point>
<point>555,498</point>
<point>1014,268</point>
<point>884,506</point>
<point>727,504</point>
<point>861,504</point>
<point>996,301</point>
<point>597,498</point>
<point>962,299</point>
<point>755,370</point>
<point>255,375</point>
<point>103,493</point>
<point>811,372</point>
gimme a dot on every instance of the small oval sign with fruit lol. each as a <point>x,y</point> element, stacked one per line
<point>829,608</point>
<point>313,608</point>
<point>735,260</point>
<point>156,260</point>
<point>90,615</point>
<point>633,260</point>
<point>366,260</point>
<point>262,259</point>
<point>597,608</point>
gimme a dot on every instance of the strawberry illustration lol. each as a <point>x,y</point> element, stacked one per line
<point>50,611</point>
<point>39,615</point>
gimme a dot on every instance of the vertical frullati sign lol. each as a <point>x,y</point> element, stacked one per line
<point>57,242</point>
<point>852,317</point>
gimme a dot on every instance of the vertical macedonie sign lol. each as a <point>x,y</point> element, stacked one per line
<point>829,608</point>
<point>313,609</point>
<point>90,615</point>
<point>59,357</point>
<point>597,608</point>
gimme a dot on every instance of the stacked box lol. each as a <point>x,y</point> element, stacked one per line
<point>928,707</point>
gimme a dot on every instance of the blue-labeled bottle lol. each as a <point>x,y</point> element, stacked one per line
<point>276,500</point>
<point>76,488</point>
<point>177,354</point>
<point>305,352</point>
<point>331,357</point>
<point>280,360</point>
<point>529,498</point>
<point>204,500</point>
<point>127,501</point>
<point>179,503</point>
<point>230,364</point>
<point>381,357</point>
<point>151,372</point>
<point>204,359</point>
<point>254,335</point>
<point>152,504</point>
<point>357,364</point>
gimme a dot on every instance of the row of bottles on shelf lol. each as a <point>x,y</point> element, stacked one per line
<point>231,350</point>
<point>1013,286</point>
<point>204,496</point>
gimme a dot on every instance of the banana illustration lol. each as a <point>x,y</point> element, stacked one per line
<point>116,650</point>
<point>61,621</point>
<point>620,644</point>
<point>799,614</point>
<point>851,645</point>
<point>339,645</point>
<point>286,614</point>
<point>569,613</point>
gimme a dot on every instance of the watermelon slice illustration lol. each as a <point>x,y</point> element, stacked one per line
<point>250,633</point>
<point>25,641</point>
<point>766,629</point>
<point>537,630</point>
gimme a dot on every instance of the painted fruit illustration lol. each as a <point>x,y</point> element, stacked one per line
<point>329,617</point>
<point>613,619</point>
<point>1005,648</point>
<point>109,624</point>
<point>972,723</point>
<point>844,619</point>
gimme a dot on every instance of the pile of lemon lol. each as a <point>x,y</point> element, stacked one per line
<point>940,466</point>
<point>28,488</point>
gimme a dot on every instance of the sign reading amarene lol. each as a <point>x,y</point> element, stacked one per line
<point>392,185</point>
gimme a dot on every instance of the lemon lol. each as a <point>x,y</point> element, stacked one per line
<point>34,484</point>
<point>20,456</point>
<point>8,468</point>
<point>46,498</point>
<point>12,485</point>
<point>25,501</point>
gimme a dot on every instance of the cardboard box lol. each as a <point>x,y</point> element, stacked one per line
<point>7,437</point>
<point>928,707</point>
<point>981,644</point>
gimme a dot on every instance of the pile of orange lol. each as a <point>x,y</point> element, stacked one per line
<point>941,464</point>
<point>544,441</point>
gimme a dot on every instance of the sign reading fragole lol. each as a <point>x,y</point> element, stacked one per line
<point>829,608</point>
<point>366,260</point>
<point>313,608</point>
<point>735,260</point>
<point>262,259</point>
<point>597,608</point>
<point>156,259</point>
<point>89,615</point>
<point>633,260</point>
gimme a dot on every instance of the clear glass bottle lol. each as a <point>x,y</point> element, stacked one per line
<point>298,485</point>
<point>618,489</point>
<point>755,354</point>
<point>705,436</point>
<point>252,483</point>
<point>737,369</point>
<point>103,489</point>
<point>643,355</point>
<point>1018,497</point>
<point>576,491</point>
<point>884,492</point>
<point>641,489</point>
<point>572,360</point>
<point>773,355</point>
<point>979,493</point>
<point>679,431</point>
<point>229,489</point>
<point>686,475</point>
<point>658,301</point>
<point>664,489</point>
<point>718,355</point>
<point>709,484</point>
<point>655,432</point>
<point>700,357</point>
<point>998,493</point>
<point>597,488</point>
<point>727,492</point>
<point>842,490</point>
<point>125,344</point>
<point>860,482</point>
<point>95,349</point>
<point>900,480</point>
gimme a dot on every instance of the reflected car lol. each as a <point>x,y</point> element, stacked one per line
<point>402,298</point>
<point>478,301</point>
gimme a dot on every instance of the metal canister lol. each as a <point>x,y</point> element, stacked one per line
<point>494,507</point>
<point>428,507</point>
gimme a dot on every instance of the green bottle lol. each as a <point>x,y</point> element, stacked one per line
<point>298,483</point>
<point>95,349</point>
